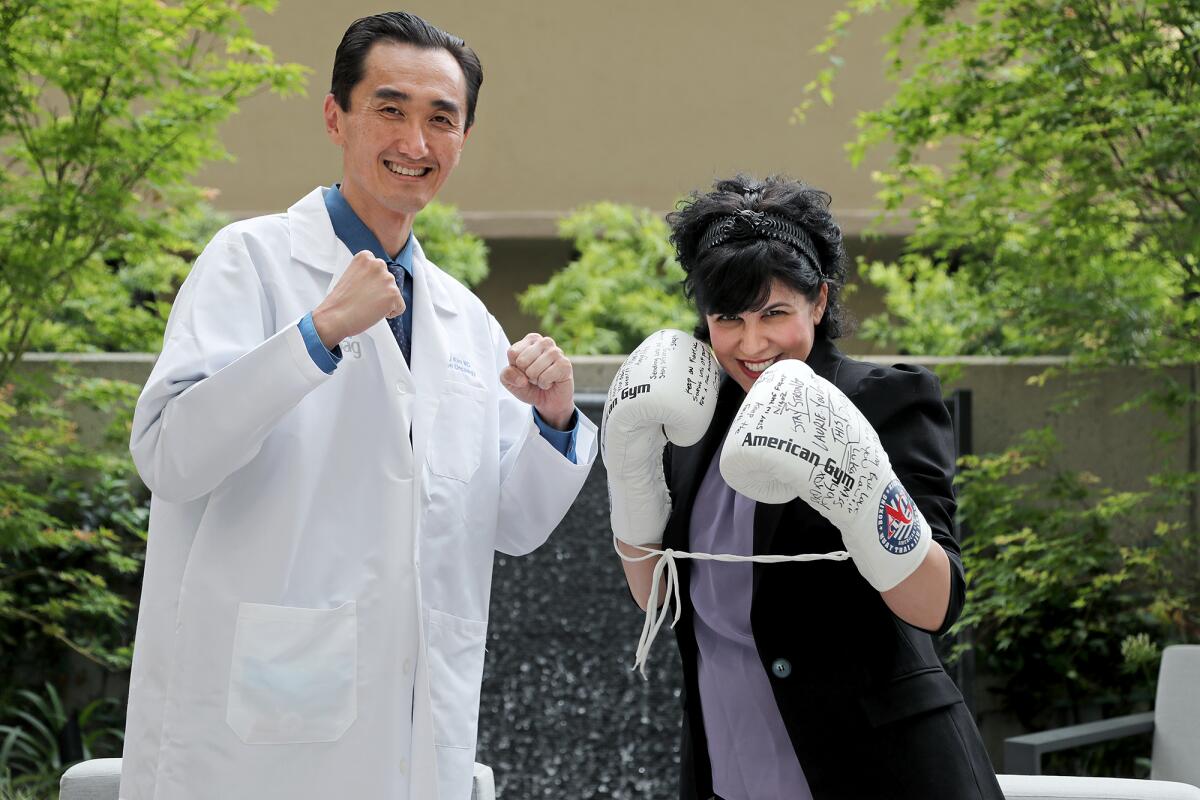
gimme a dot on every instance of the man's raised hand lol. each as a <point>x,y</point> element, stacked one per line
<point>365,294</point>
<point>538,373</point>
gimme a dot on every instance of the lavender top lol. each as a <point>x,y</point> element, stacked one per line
<point>749,748</point>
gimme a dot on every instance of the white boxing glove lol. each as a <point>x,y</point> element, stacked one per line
<point>797,435</point>
<point>665,390</point>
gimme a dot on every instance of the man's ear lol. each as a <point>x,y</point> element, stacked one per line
<point>333,120</point>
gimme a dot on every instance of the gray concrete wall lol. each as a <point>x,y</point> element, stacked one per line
<point>1120,449</point>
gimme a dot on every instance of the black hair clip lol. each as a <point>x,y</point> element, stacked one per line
<point>749,224</point>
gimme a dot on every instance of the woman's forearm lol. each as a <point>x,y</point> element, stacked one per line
<point>923,598</point>
<point>640,574</point>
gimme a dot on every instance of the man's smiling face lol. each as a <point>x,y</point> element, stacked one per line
<point>403,133</point>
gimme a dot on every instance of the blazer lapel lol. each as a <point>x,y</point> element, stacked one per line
<point>826,360</point>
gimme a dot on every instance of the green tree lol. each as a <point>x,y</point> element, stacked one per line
<point>107,107</point>
<point>623,285</point>
<point>1047,155</point>
<point>124,307</point>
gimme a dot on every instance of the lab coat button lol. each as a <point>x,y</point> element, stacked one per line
<point>781,668</point>
<point>406,667</point>
<point>401,387</point>
<point>403,766</point>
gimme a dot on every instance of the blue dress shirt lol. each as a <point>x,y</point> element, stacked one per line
<point>354,233</point>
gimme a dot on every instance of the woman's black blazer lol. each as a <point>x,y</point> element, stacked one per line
<point>867,705</point>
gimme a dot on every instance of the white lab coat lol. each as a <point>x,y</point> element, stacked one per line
<point>315,603</point>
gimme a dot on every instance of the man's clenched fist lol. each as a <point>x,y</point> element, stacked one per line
<point>365,294</point>
<point>539,374</point>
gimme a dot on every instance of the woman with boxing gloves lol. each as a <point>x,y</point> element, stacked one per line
<point>798,523</point>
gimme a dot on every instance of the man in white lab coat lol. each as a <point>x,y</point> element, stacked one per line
<point>337,436</point>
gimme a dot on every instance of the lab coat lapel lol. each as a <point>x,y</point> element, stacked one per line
<point>433,311</point>
<point>314,243</point>
<point>396,374</point>
<point>311,233</point>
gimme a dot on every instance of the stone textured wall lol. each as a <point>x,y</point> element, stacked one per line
<point>562,715</point>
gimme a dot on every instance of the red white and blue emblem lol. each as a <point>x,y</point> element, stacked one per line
<point>897,520</point>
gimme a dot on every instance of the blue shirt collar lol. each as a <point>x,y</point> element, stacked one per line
<point>355,234</point>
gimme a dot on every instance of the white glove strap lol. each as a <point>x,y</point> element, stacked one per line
<point>657,614</point>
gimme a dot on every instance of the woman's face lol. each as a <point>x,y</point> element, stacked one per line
<point>745,344</point>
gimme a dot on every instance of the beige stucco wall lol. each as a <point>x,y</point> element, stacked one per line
<point>636,102</point>
<point>628,101</point>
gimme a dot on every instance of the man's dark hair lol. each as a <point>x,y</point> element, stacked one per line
<point>735,276</point>
<point>404,28</point>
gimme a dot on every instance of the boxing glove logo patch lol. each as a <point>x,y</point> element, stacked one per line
<point>897,522</point>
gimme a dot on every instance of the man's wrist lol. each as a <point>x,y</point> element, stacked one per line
<point>564,421</point>
<point>325,328</point>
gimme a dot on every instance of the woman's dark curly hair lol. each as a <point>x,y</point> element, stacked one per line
<point>735,276</point>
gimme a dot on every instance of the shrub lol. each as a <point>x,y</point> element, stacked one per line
<point>447,243</point>
<point>623,285</point>
<point>1046,154</point>
<point>32,756</point>
<point>73,520</point>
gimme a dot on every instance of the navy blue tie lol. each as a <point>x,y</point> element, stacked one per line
<point>397,324</point>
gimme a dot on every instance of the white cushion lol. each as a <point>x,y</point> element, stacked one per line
<point>1058,787</point>
<point>1177,716</point>
<point>98,779</point>
<point>484,787</point>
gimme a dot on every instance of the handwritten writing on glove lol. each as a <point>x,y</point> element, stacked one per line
<point>798,435</point>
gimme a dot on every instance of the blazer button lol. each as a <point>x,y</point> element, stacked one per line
<point>781,668</point>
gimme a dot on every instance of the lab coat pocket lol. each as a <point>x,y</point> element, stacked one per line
<point>457,437</point>
<point>456,647</point>
<point>294,673</point>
